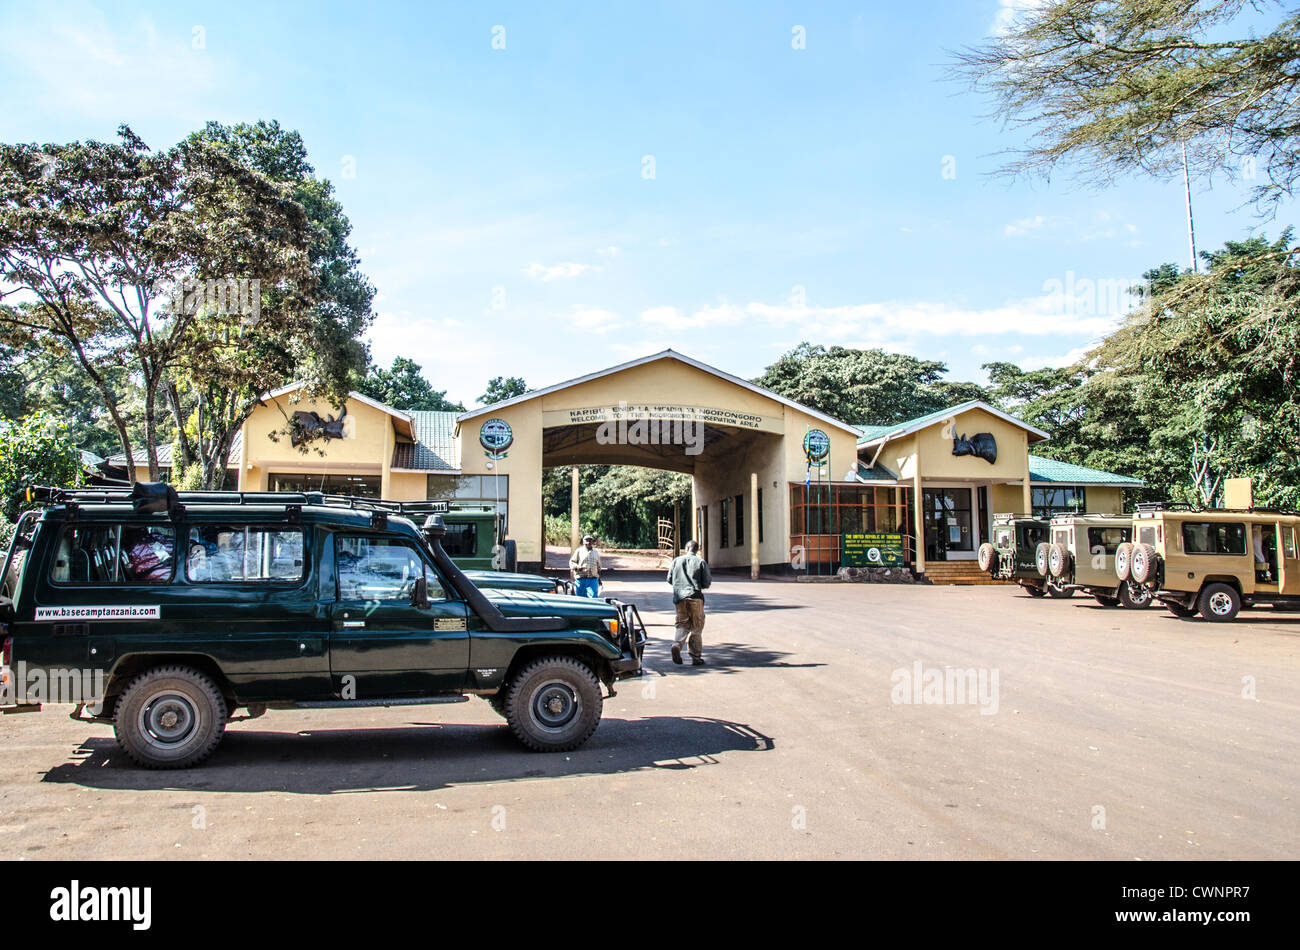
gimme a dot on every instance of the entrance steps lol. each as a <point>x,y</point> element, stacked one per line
<point>958,572</point>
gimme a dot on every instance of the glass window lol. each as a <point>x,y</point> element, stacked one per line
<point>1288,542</point>
<point>1057,501</point>
<point>740,520</point>
<point>722,525</point>
<point>221,553</point>
<point>1202,537</point>
<point>461,539</point>
<point>380,569</point>
<point>359,486</point>
<point>1106,540</point>
<point>760,516</point>
<point>114,554</point>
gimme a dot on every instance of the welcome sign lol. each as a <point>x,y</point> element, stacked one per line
<point>871,550</point>
<point>633,412</point>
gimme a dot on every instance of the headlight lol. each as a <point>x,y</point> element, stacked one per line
<point>612,627</point>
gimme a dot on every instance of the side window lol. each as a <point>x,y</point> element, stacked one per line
<point>1146,534</point>
<point>1106,539</point>
<point>222,553</point>
<point>1200,537</point>
<point>114,554</point>
<point>1288,541</point>
<point>382,569</point>
<point>461,539</point>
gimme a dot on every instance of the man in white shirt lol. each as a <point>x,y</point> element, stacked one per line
<point>584,568</point>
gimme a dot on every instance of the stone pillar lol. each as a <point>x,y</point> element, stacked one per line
<point>753,526</point>
<point>1028,498</point>
<point>575,533</point>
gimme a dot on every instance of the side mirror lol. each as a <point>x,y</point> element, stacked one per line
<point>420,596</point>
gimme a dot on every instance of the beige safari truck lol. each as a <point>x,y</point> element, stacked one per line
<point>1080,555</point>
<point>1214,561</point>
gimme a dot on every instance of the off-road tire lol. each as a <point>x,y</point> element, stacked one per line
<point>1034,591</point>
<point>988,557</point>
<point>498,703</point>
<point>1123,560</point>
<point>1058,560</point>
<point>1040,558</point>
<point>1219,603</point>
<point>553,704</point>
<point>1135,596</point>
<point>1178,610</point>
<point>1106,601</point>
<point>1142,566</point>
<point>1056,588</point>
<point>512,556</point>
<point>170,717</point>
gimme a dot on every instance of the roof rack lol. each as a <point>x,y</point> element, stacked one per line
<point>1182,506</point>
<point>124,496</point>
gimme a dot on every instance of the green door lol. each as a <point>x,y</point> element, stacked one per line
<point>381,644</point>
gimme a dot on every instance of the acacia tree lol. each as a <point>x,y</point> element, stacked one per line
<point>93,235</point>
<point>1117,86</point>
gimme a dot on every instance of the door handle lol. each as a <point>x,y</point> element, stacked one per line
<point>353,624</point>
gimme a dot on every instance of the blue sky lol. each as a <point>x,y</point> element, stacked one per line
<point>502,199</point>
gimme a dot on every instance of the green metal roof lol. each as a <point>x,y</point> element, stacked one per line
<point>1052,470</point>
<point>878,473</point>
<point>435,448</point>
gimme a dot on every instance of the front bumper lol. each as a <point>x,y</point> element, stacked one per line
<point>632,638</point>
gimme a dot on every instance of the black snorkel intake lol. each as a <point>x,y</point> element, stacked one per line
<point>496,621</point>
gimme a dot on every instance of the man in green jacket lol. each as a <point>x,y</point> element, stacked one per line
<point>689,575</point>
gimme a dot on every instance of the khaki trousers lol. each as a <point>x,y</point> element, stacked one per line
<point>690,625</point>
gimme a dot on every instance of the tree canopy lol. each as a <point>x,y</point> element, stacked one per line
<point>403,386</point>
<point>1110,87</point>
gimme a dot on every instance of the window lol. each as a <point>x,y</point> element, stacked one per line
<point>491,490</point>
<point>221,553</point>
<point>1106,540</point>
<point>740,520</point>
<point>114,554</point>
<point>1288,542</point>
<point>461,539</point>
<point>361,486</point>
<point>1057,501</point>
<point>380,569</point>
<point>722,525</point>
<point>759,502</point>
<point>1201,537</point>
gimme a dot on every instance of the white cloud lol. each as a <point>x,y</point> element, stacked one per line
<point>1023,226</point>
<point>610,251</point>
<point>561,271</point>
<point>1009,11</point>
<point>705,317</point>
<point>592,319</point>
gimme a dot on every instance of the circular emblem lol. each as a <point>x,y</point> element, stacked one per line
<point>495,436</point>
<point>816,444</point>
<point>873,554</point>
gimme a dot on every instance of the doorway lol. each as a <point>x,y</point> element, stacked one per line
<point>949,523</point>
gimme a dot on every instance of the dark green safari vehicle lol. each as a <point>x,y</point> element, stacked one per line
<point>164,614</point>
<point>1014,553</point>
<point>476,539</point>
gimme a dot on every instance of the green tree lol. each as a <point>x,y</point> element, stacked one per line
<point>93,239</point>
<point>501,388</point>
<point>867,387</point>
<point>1119,86</point>
<point>403,386</point>
<point>37,450</point>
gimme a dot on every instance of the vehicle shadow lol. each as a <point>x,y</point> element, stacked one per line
<point>720,658</point>
<point>420,756</point>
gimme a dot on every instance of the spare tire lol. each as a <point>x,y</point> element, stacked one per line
<point>1058,560</point>
<point>1143,563</point>
<point>1040,557</point>
<point>1123,560</point>
<point>988,557</point>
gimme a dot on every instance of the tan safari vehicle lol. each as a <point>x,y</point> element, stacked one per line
<point>1080,555</point>
<point>1214,561</point>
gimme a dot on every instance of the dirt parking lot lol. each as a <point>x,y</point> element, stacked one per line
<point>1097,734</point>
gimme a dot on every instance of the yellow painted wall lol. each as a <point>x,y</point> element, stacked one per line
<point>366,448</point>
<point>1104,500</point>
<point>523,463</point>
<point>408,486</point>
<point>1007,499</point>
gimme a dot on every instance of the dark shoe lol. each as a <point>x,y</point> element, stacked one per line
<point>697,661</point>
<point>677,654</point>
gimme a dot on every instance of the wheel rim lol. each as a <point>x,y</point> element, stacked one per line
<point>1140,596</point>
<point>1121,563</point>
<point>168,720</point>
<point>1221,603</point>
<point>555,704</point>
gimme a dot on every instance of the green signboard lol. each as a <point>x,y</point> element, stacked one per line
<point>871,550</point>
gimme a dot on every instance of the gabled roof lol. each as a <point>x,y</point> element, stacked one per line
<point>872,435</point>
<point>434,448</point>
<point>1052,471</point>
<point>665,354</point>
<point>403,422</point>
<point>141,456</point>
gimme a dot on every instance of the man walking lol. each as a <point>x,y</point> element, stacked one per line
<point>689,575</point>
<point>584,568</point>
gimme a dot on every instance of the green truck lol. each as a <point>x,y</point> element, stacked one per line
<point>166,614</point>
